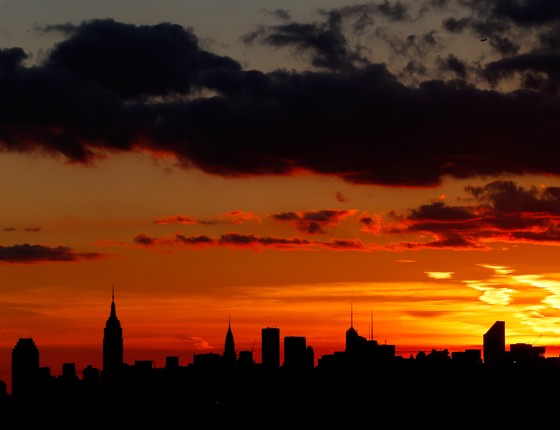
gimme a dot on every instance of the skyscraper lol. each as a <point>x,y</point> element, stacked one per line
<point>25,366</point>
<point>112,343</point>
<point>229,357</point>
<point>296,353</point>
<point>270,347</point>
<point>354,342</point>
<point>494,344</point>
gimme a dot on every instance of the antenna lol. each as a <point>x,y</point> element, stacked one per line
<point>351,315</point>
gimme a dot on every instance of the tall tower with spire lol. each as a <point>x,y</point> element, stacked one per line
<point>354,342</point>
<point>112,342</point>
<point>229,357</point>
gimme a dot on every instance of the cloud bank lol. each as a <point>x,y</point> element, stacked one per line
<point>115,87</point>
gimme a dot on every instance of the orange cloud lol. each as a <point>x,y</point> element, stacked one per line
<point>239,217</point>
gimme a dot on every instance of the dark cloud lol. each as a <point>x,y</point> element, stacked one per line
<point>26,229</point>
<point>27,253</point>
<point>134,61</point>
<point>498,213</point>
<point>112,87</point>
<point>194,240</point>
<point>509,198</point>
<point>278,13</point>
<point>326,43</point>
<point>346,245</point>
<point>340,197</point>
<point>143,239</point>
<point>447,241</point>
<point>11,59</point>
<point>32,229</point>
<point>521,12</point>
<point>540,70</point>
<point>502,211</point>
<point>440,211</point>
<point>313,222</point>
<point>251,241</point>
<point>176,219</point>
<point>455,65</point>
<point>456,25</point>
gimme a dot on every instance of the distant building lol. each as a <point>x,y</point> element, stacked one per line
<point>245,359</point>
<point>230,356</point>
<point>524,354</point>
<point>354,342</point>
<point>25,366</point>
<point>467,358</point>
<point>295,352</point>
<point>113,357</point>
<point>171,362</point>
<point>69,374</point>
<point>91,375</point>
<point>494,344</point>
<point>207,360</point>
<point>270,347</point>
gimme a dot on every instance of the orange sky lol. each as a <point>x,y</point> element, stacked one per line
<point>270,189</point>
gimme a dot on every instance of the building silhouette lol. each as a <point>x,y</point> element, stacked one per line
<point>270,338</point>
<point>229,356</point>
<point>231,387</point>
<point>297,355</point>
<point>25,366</point>
<point>113,345</point>
<point>354,342</point>
<point>494,344</point>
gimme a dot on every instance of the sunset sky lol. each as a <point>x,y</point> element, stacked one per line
<point>277,164</point>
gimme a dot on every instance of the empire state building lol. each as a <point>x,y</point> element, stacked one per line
<point>112,342</point>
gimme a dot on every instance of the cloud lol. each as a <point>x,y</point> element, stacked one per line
<point>497,213</point>
<point>439,275</point>
<point>340,197</point>
<point>27,253</point>
<point>27,229</point>
<point>114,87</point>
<point>251,241</point>
<point>313,222</point>
<point>502,212</point>
<point>231,217</point>
<point>194,240</point>
<point>176,219</point>
<point>143,239</point>
<point>240,217</point>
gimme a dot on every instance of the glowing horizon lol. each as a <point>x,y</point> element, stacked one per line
<point>273,164</point>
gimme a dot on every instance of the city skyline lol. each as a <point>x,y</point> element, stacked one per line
<point>268,164</point>
<point>270,351</point>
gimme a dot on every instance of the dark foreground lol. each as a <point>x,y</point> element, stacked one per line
<point>386,398</point>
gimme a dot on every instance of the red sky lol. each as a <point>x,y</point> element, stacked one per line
<point>275,169</point>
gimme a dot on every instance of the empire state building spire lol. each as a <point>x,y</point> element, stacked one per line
<point>112,342</point>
